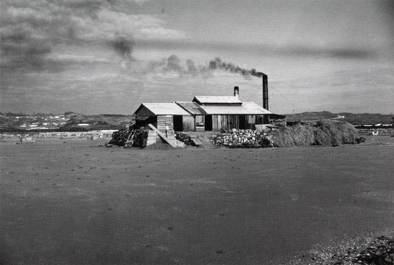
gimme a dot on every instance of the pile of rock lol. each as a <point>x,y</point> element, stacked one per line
<point>381,251</point>
<point>129,138</point>
<point>244,138</point>
<point>183,137</point>
<point>188,139</point>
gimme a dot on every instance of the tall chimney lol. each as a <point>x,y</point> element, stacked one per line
<point>265,91</point>
<point>236,91</point>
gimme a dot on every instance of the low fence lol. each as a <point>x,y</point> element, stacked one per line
<point>91,135</point>
<point>376,131</point>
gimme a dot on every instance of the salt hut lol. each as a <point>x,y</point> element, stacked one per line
<point>164,115</point>
<point>204,113</point>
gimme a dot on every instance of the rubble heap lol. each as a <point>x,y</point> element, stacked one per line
<point>379,252</point>
<point>129,137</point>
<point>244,138</point>
<point>193,140</point>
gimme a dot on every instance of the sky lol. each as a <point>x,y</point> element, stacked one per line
<point>108,57</point>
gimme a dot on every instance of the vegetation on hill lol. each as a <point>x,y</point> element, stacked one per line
<point>353,118</point>
<point>13,121</point>
<point>69,121</point>
<point>95,122</point>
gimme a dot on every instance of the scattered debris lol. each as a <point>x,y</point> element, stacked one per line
<point>380,251</point>
<point>27,139</point>
<point>358,250</point>
<point>183,137</point>
<point>129,137</point>
<point>192,140</point>
<point>195,141</point>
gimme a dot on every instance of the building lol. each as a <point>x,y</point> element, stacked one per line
<point>203,113</point>
<point>164,116</point>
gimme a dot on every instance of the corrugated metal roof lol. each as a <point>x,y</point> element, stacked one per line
<point>216,99</point>
<point>165,108</point>
<point>191,107</point>
<point>245,109</point>
<point>255,107</point>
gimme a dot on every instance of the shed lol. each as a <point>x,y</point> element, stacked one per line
<point>197,112</point>
<point>204,113</point>
<point>238,116</point>
<point>165,114</point>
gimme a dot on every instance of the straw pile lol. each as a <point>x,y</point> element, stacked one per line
<point>325,132</point>
<point>297,135</point>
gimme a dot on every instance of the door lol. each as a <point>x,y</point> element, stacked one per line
<point>178,123</point>
<point>242,121</point>
<point>208,122</point>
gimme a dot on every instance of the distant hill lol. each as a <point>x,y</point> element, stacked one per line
<point>96,122</point>
<point>355,119</point>
<point>10,122</point>
<point>70,121</point>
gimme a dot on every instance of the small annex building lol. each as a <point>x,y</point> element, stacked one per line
<point>162,115</point>
<point>203,113</point>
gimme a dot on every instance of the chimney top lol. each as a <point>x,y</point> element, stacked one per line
<point>236,91</point>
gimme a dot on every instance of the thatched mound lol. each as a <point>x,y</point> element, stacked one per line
<point>325,132</point>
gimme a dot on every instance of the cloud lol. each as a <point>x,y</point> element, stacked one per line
<point>343,53</point>
<point>20,50</point>
<point>31,29</point>
<point>140,2</point>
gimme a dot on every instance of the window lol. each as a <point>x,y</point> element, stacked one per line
<point>252,119</point>
<point>199,120</point>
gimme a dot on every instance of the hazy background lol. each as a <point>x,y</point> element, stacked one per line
<point>110,56</point>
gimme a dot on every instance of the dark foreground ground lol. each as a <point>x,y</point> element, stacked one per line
<point>76,202</point>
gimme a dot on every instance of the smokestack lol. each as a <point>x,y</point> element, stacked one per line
<point>265,95</point>
<point>265,91</point>
<point>236,91</point>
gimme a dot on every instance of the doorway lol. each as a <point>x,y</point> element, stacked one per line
<point>242,121</point>
<point>178,123</point>
<point>208,122</point>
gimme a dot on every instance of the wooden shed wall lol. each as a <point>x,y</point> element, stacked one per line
<point>188,123</point>
<point>215,123</point>
<point>234,121</point>
<point>199,123</point>
<point>163,120</point>
<point>219,122</point>
<point>228,122</point>
<point>144,112</point>
<point>222,122</point>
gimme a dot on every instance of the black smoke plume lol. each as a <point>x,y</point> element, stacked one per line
<point>123,47</point>
<point>173,65</point>
<point>217,63</point>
